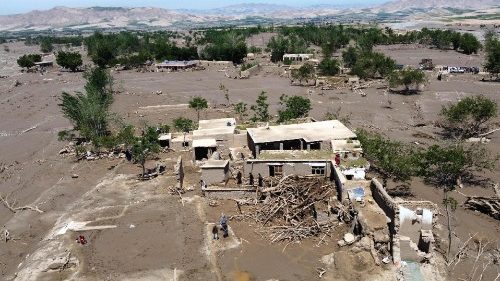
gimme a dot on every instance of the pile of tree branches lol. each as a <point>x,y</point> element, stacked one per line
<point>288,209</point>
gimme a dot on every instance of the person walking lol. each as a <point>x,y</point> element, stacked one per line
<point>215,232</point>
<point>223,225</point>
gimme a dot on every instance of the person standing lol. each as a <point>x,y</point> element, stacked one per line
<point>250,179</point>
<point>261,180</point>
<point>215,232</point>
<point>223,225</point>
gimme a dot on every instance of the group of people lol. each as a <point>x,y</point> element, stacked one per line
<point>223,226</point>
<point>239,179</point>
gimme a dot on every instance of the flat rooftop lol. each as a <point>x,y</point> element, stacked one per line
<point>223,126</point>
<point>296,155</point>
<point>309,132</point>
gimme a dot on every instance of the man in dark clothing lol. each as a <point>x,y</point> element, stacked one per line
<point>238,177</point>
<point>215,232</point>
<point>261,180</point>
<point>250,179</point>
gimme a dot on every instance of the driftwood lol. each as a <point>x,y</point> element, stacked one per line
<point>485,205</point>
<point>12,205</point>
<point>287,211</point>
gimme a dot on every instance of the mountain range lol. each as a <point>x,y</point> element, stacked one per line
<point>242,14</point>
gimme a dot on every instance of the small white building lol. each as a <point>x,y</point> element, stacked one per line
<point>298,57</point>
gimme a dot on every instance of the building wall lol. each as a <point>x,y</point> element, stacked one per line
<point>289,168</point>
<point>340,181</point>
<point>215,175</point>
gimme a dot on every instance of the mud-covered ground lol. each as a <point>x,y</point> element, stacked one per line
<point>147,233</point>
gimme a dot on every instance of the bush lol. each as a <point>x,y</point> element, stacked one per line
<point>373,65</point>
<point>469,117</point>
<point>295,107</point>
<point>29,60</point>
<point>69,60</point>
<point>329,66</point>
<point>407,78</point>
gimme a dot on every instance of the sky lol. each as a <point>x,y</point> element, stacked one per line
<point>21,6</point>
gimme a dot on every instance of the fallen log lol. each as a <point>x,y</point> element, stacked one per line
<point>489,206</point>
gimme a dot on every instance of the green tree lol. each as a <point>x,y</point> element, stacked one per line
<point>261,108</point>
<point>46,45</point>
<point>392,159</point>
<point>241,109</point>
<point>29,60</point>
<point>69,60</point>
<point>329,66</point>
<point>294,107</point>
<point>278,45</point>
<point>447,167</point>
<point>144,147</point>
<point>407,78</point>
<point>89,111</point>
<point>183,125</point>
<point>468,117</point>
<point>198,104</point>
<point>492,48</point>
<point>305,72</point>
<point>469,44</point>
<point>373,65</point>
<point>350,57</point>
<point>104,54</point>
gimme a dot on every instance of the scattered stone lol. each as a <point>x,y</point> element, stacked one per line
<point>74,176</point>
<point>349,238</point>
<point>328,259</point>
<point>63,151</point>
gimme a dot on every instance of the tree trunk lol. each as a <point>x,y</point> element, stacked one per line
<point>197,111</point>
<point>143,164</point>
<point>448,216</point>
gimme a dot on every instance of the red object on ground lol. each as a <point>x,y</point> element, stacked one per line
<point>81,239</point>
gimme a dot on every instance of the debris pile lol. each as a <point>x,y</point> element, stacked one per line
<point>489,206</point>
<point>288,210</point>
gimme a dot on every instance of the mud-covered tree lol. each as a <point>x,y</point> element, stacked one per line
<point>29,60</point>
<point>183,125</point>
<point>278,45</point>
<point>329,66</point>
<point>407,78</point>
<point>293,107</point>
<point>198,104</point>
<point>261,109</point>
<point>145,147</point>
<point>46,45</point>
<point>468,117</point>
<point>70,60</point>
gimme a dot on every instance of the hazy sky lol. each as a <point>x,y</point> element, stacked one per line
<point>21,6</point>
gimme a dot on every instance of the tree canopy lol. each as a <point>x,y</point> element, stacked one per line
<point>89,111</point>
<point>29,60</point>
<point>492,48</point>
<point>407,78</point>
<point>261,108</point>
<point>468,117</point>
<point>329,66</point>
<point>145,146</point>
<point>70,60</point>
<point>198,104</point>
<point>294,107</point>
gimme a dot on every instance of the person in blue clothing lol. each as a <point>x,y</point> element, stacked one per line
<point>223,225</point>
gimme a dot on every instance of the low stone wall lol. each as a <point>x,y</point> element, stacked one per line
<point>251,71</point>
<point>228,193</point>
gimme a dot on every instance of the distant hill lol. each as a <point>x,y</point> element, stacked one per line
<point>243,14</point>
<point>399,5</point>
